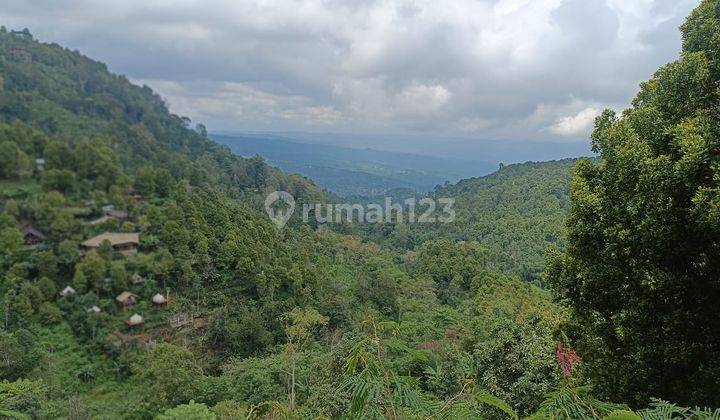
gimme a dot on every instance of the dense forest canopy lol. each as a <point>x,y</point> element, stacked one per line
<point>641,269</point>
<point>139,278</point>
<point>515,212</point>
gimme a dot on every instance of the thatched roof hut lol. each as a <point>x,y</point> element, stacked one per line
<point>127,299</point>
<point>135,320</point>
<point>67,291</point>
<point>159,299</point>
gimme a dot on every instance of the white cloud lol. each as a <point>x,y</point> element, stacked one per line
<point>522,69</point>
<point>579,124</point>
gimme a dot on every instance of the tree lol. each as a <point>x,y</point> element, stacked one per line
<point>93,269</point>
<point>58,155</point>
<point>200,128</point>
<point>11,208</point>
<point>63,225</point>
<point>118,275</point>
<point>170,374</point>
<point>46,263</point>
<point>67,252</point>
<point>58,179</point>
<point>20,354</point>
<point>375,386</point>
<point>145,181</point>
<point>49,313</point>
<point>33,293</point>
<point>164,182</point>
<point>47,287</point>
<point>21,310</point>
<point>14,163</point>
<point>642,261</point>
<point>11,242</point>
<point>24,396</point>
<point>80,281</point>
<point>300,326</point>
<point>188,411</point>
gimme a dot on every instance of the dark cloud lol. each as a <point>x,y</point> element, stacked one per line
<point>485,68</point>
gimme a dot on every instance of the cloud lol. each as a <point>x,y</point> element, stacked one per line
<point>504,69</point>
<point>576,125</point>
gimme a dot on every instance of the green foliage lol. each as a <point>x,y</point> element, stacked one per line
<point>10,244</point>
<point>254,380</point>
<point>375,389</point>
<point>229,409</point>
<point>170,375</point>
<point>660,409</point>
<point>22,396</point>
<point>496,402</point>
<point>514,214</point>
<point>14,163</point>
<point>642,255</point>
<point>49,313</point>
<point>19,354</point>
<point>570,403</point>
<point>188,411</point>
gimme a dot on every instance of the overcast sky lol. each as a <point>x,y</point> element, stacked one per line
<point>492,69</point>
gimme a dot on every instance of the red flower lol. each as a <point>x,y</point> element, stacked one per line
<point>566,358</point>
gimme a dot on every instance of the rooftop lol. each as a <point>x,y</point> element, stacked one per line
<point>113,238</point>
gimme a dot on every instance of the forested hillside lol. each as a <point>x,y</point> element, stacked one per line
<point>516,213</point>
<point>78,103</point>
<point>138,278</point>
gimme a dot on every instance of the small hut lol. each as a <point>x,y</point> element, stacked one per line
<point>32,236</point>
<point>159,299</point>
<point>126,299</point>
<point>94,309</point>
<point>67,291</point>
<point>134,320</point>
<point>40,164</point>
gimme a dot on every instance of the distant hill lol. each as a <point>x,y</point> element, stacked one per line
<point>465,149</point>
<point>349,171</point>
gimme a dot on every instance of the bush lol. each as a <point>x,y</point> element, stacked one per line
<point>49,313</point>
<point>188,411</point>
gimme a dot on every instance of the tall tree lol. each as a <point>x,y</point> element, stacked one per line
<point>642,262</point>
<point>299,327</point>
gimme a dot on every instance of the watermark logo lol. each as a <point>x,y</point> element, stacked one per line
<point>280,206</point>
<point>279,216</point>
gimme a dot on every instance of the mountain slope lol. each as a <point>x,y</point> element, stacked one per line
<point>71,97</point>
<point>515,212</point>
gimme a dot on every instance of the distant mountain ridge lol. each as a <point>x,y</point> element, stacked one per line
<point>348,171</point>
<point>507,151</point>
